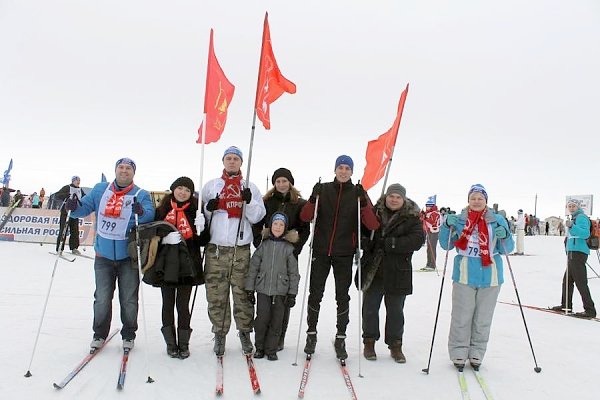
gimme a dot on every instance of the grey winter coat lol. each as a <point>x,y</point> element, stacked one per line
<point>273,268</point>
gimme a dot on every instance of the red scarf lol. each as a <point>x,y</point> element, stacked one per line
<point>476,219</point>
<point>178,218</point>
<point>230,198</point>
<point>114,205</point>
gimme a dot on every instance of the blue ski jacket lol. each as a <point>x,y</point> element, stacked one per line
<point>578,233</point>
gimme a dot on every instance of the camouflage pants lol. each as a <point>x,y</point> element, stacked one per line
<point>219,265</point>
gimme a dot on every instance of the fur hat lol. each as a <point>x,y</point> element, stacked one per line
<point>183,181</point>
<point>396,188</point>
<point>127,161</point>
<point>478,188</point>
<point>282,173</point>
<point>233,150</point>
<point>344,159</point>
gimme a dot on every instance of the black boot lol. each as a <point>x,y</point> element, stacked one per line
<point>184,342</point>
<point>340,346</point>
<point>169,335</point>
<point>311,343</point>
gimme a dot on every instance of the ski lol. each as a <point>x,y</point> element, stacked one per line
<point>482,384</point>
<point>83,255</point>
<point>63,256</point>
<point>219,388</point>
<point>347,379</point>
<point>304,379</point>
<point>123,370</point>
<point>83,363</point>
<point>252,373</point>
<point>462,382</point>
<point>548,310</point>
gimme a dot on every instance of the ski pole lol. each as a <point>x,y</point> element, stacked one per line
<point>63,236</point>
<point>358,266</point>
<point>437,313</point>
<point>537,368</point>
<point>141,286</point>
<point>307,279</point>
<point>593,270</point>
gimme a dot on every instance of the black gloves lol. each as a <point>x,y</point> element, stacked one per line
<point>361,194</point>
<point>137,208</point>
<point>213,204</point>
<point>247,195</point>
<point>316,192</point>
<point>290,300</point>
<point>250,296</point>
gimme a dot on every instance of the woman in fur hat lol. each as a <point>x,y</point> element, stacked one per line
<point>180,209</point>
<point>273,273</point>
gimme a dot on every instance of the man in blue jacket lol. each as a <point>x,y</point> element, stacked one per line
<point>115,204</point>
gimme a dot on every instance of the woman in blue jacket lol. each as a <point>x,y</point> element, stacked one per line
<point>480,237</point>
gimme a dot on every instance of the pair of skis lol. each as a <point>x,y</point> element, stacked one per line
<point>86,360</point>
<point>345,375</point>
<point>464,388</point>
<point>251,372</point>
<point>549,310</point>
<point>67,256</point>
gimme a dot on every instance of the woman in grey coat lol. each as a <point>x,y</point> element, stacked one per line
<point>273,273</point>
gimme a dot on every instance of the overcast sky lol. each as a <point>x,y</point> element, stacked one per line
<point>505,94</point>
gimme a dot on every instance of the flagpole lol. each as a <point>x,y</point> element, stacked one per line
<point>202,137</point>
<point>387,170</point>
<point>256,99</point>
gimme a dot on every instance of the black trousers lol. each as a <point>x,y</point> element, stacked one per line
<point>73,231</point>
<point>342,273</point>
<point>577,274</point>
<point>268,321</point>
<point>176,297</point>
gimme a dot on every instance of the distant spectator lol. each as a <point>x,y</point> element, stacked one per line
<point>42,196</point>
<point>5,197</point>
<point>67,191</point>
<point>27,202</point>
<point>547,227</point>
<point>18,197</point>
<point>35,200</point>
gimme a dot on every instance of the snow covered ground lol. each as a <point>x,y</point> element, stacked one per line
<point>567,349</point>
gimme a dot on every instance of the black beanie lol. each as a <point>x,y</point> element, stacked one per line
<point>183,181</point>
<point>282,172</point>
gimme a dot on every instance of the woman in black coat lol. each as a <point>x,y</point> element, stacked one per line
<point>387,269</point>
<point>284,197</point>
<point>178,264</point>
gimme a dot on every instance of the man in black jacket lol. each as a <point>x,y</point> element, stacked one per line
<point>62,195</point>
<point>334,245</point>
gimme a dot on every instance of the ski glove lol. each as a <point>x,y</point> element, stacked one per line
<point>250,295</point>
<point>290,300</point>
<point>172,238</point>
<point>137,208</point>
<point>451,220</point>
<point>316,192</point>
<point>500,232</point>
<point>569,223</point>
<point>247,195</point>
<point>72,204</point>
<point>213,204</point>
<point>362,194</point>
<point>199,222</point>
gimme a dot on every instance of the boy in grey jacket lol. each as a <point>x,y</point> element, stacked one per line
<point>273,273</point>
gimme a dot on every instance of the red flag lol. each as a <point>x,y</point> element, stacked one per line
<point>218,95</point>
<point>380,150</point>
<point>271,83</point>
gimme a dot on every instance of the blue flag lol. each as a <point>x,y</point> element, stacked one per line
<point>103,178</point>
<point>431,200</point>
<point>6,178</point>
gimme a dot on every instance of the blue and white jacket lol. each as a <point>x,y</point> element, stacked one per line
<point>468,270</point>
<point>108,248</point>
